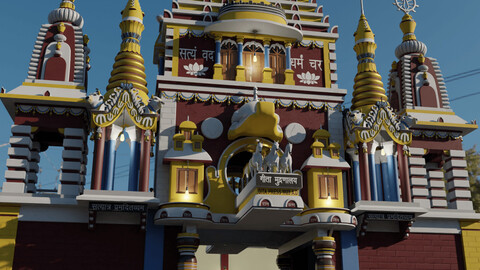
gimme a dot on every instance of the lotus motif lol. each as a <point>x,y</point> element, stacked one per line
<point>308,78</point>
<point>195,69</point>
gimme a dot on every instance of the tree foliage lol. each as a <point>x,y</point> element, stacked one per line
<point>472,156</point>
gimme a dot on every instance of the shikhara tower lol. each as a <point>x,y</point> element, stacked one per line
<point>250,144</point>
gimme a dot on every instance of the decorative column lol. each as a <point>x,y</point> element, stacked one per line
<point>218,67</point>
<point>284,262</point>
<point>71,178</point>
<point>240,68</point>
<point>288,67</point>
<point>458,195</point>
<point>187,245</point>
<point>267,71</point>
<point>404,175</point>
<point>418,177</point>
<point>109,161</point>
<point>353,153</point>
<point>324,249</point>
<point>18,162</point>
<point>147,136</point>
<point>134,134</point>
<point>373,171</point>
<point>98,155</point>
<point>364,173</point>
<point>436,186</point>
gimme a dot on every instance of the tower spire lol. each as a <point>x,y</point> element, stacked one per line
<point>129,64</point>
<point>368,87</point>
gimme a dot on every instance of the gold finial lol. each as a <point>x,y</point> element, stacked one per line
<point>408,26</point>
<point>368,87</point>
<point>129,63</point>
<point>67,4</point>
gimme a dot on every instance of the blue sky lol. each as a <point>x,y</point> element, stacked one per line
<point>448,30</point>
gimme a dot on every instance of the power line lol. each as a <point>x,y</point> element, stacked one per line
<point>465,96</point>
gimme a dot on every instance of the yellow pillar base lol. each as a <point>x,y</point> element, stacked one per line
<point>218,72</point>
<point>8,234</point>
<point>240,74</point>
<point>289,77</point>
<point>267,75</point>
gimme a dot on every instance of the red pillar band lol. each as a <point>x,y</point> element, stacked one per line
<point>404,174</point>
<point>145,161</point>
<point>98,160</point>
<point>187,245</point>
<point>364,173</point>
<point>324,249</point>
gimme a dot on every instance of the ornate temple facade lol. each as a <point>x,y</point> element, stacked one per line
<point>251,147</point>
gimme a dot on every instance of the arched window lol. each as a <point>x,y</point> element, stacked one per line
<point>277,63</point>
<point>229,57</point>
<point>254,61</point>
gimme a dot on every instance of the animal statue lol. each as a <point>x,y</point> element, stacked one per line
<point>285,163</point>
<point>96,100</point>
<point>255,164</point>
<point>406,121</point>
<point>270,163</point>
<point>356,117</point>
<point>155,103</point>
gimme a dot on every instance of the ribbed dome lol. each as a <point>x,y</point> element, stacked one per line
<point>410,46</point>
<point>66,13</point>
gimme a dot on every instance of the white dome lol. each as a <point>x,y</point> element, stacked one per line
<point>410,46</point>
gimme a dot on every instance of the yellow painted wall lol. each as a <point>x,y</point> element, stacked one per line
<point>182,197</point>
<point>8,234</point>
<point>471,244</point>
<point>250,258</point>
<point>314,200</point>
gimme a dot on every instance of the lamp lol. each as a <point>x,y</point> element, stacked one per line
<point>255,57</point>
<point>122,136</point>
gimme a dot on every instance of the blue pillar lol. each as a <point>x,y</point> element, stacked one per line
<point>397,177</point>
<point>109,165</point>
<point>373,177</point>
<point>154,237</point>
<point>386,182</point>
<point>218,48</point>
<point>379,181</point>
<point>134,166</point>
<point>348,240</point>
<point>240,53</point>
<point>287,57</point>
<point>267,55</point>
<point>392,177</point>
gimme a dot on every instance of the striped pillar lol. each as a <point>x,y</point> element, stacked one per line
<point>240,52</point>
<point>324,249</point>
<point>418,177</point>
<point>436,186</point>
<point>353,153</point>
<point>18,162</point>
<point>98,155</point>
<point>267,54</point>
<point>288,55</point>
<point>378,172</point>
<point>284,262</point>
<point>187,245</point>
<point>458,195</point>
<point>71,177</point>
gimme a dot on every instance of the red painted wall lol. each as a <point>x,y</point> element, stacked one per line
<point>46,245</point>
<point>418,251</point>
